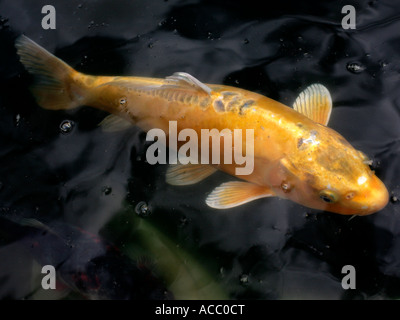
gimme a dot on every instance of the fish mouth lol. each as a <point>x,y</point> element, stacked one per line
<point>374,198</point>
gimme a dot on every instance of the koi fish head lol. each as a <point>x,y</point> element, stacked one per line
<point>325,172</point>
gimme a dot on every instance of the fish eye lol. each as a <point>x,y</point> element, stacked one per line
<point>328,196</point>
<point>286,186</point>
<point>350,195</point>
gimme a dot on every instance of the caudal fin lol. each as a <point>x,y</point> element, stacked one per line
<point>54,86</point>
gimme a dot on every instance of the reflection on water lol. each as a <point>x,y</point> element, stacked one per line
<point>60,169</point>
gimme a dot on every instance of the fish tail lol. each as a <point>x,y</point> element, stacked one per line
<point>56,85</point>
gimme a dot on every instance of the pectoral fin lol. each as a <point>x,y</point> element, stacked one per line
<point>187,174</point>
<point>235,193</point>
<point>315,102</point>
<point>113,123</point>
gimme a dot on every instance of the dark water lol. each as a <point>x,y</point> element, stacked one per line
<point>86,181</point>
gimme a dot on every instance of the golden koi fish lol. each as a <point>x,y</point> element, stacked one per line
<point>296,156</point>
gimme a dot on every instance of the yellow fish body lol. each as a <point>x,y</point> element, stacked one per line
<point>296,156</point>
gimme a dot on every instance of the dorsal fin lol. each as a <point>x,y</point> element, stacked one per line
<point>315,102</point>
<point>183,79</point>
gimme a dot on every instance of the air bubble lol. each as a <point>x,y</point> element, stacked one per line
<point>383,64</point>
<point>106,190</point>
<point>3,22</point>
<point>394,198</point>
<point>183,222</point>
<point>142,209</point>
<point>17,119</point>
<point>66,126</point>
<point>355,67</point>
<point>244,279</point>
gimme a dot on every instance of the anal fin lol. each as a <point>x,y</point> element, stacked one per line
<point>235,193</point>
<point>187,174</point>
